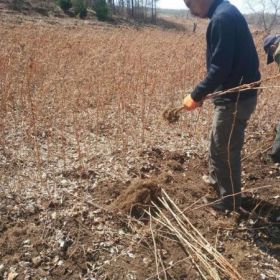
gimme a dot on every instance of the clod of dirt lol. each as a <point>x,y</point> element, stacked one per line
<point>175,166</point>
<point>171,115</point>
<point>137,198</point>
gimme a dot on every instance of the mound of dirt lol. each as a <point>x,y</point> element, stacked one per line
<point>137,198</point>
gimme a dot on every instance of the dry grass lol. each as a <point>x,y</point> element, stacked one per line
<point>84,89</point>
<point>70,93</point>
<point>60,85</point>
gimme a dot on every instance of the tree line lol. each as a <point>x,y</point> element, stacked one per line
<point>142,10</point>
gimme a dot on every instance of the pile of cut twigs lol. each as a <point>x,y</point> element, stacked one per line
<point>208,261</point>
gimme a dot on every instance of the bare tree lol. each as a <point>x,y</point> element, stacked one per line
<point>266,12</point>
<point>137,9</point>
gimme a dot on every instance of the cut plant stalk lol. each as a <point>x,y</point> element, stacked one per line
<point>208,261</point>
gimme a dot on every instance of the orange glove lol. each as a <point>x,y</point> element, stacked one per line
<point>190,104</point>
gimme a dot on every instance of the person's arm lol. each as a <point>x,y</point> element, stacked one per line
<point>222,47</point>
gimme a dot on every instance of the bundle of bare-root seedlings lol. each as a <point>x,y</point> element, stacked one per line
<point>172,115</point>
<point>208,261</point>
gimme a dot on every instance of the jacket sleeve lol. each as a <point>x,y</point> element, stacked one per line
<point>222,46</point>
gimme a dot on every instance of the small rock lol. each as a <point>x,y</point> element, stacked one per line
<point>27,277</point>
<point>147,261</point>
<point>54,215</point>
<point>131,276</point>
<point>26,242</point>
<point>37,261</point>
<point>220,247</point>
<point>251,222</point>
<point>131,255</point>
<point>64,182</point>
<point>12,275</point>
<point>56,260</point>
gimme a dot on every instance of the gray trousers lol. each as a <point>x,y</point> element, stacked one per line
<point>275,153</point>
<point>226,142</point>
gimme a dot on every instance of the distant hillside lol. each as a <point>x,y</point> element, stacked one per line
<point>168,18</point>
<point>49,7</point>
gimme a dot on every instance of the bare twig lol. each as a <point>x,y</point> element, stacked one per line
<point>172,115</point>
<point>207,260</point>
<point>155,246</point>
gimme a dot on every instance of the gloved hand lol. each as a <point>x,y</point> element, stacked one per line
<point>190,104</point>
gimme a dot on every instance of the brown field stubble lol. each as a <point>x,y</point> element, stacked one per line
<point>79,103</point>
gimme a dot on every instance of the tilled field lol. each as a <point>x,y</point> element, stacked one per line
<point>84,149</point>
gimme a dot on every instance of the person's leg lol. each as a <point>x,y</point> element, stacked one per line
<point>211,179</point>
<point>226,142</point>
<point>275,153</point>
<point>221,154</point>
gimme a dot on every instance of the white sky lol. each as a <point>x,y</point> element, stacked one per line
<point>179,4</point>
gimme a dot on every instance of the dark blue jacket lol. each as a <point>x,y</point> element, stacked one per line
<point>232,58</point>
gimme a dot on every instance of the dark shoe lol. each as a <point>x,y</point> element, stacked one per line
<point>275,158</point>
<point>217,205</point>
<point>243,214</point>
<point>221,207</point>
<point>242,211</point>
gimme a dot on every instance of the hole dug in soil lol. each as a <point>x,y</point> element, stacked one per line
<point>138,198</point>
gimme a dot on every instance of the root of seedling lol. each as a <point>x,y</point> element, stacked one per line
<point>172,115</point>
